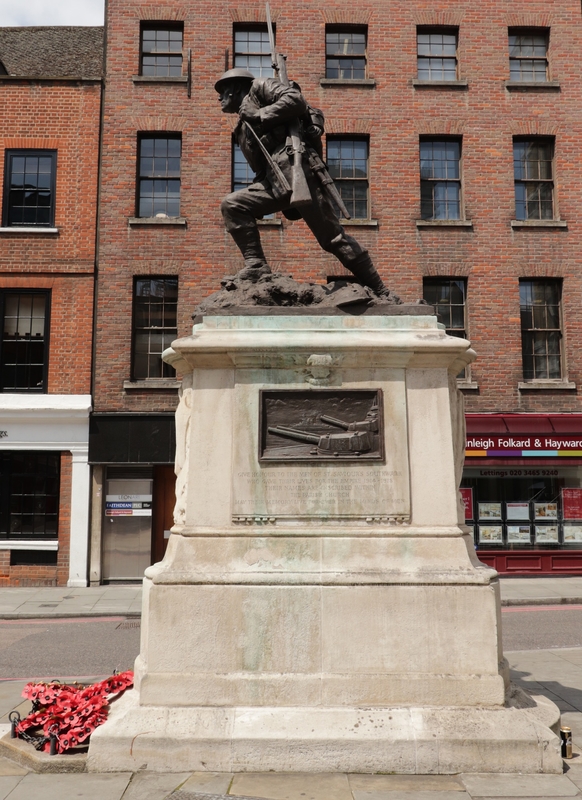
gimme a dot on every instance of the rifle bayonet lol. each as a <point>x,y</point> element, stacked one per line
<point>301,196</point>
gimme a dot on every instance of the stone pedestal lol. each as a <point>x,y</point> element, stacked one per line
<point>321,612</point>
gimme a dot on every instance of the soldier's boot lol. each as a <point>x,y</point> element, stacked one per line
<point>248,242</point>
<point>366,273</point>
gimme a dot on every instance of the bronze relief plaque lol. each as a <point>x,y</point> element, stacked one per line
<point>321,425</point>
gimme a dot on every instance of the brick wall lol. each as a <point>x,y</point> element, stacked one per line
<point>63,116</point>
<point>394,114</point>
<point>60,115</point>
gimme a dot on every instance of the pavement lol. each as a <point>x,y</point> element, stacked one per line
<point>125,599</point>
<point>556,673</point>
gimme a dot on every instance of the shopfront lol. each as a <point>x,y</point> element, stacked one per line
<point>44,489</point>
<point>522,489</point>
<point>133,493</point>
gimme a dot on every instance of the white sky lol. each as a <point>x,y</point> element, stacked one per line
<point>51,12</point>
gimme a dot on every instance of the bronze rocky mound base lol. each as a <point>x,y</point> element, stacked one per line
<point>278,290</point>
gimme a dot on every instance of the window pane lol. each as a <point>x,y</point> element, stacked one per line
<point>533,171</point>
<point>345,55</point>
<point>30,196</point>
<point>22,347</point>
<point>30,488</point>
<point>348,165</point>
<point>154,325</point>
<point>252,51</point>
<point>541,333</point>
<point>528,56</point>
<point>159,158</point>
<point>161,52</point>
<point>436,55</point>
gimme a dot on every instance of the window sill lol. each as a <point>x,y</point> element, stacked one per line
<point>30,544</point>
<point>32,229</point>
<point>467,386</point>
<point>546,385</point>
<point>539,223</point>
<point>152,385</point>
<point>461,84</point>
<point>533,86</point>
<point>274,223</point>
<point>444,223</point>
<point>154,79</point>
<point>180,221</point>
<point>365,82</point>
<point>361,223</point>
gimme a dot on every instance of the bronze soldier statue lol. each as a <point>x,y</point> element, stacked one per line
<point>280,136</point>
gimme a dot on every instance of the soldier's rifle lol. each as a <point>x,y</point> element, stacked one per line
<point>300,187</point>
<point>300,196</point>
<point>280,187</point>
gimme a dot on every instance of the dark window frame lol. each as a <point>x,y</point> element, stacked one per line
<point>46,293</point>
<point>451,330</point>
<point>535,335</point>
<point>155,135</point>
<point>265,69</point>
<point>8,506</point>
<point>534,182</point>
<point>236,185</point>
<point>520,60</point>
<point>341,182</point>
<point>160,25</point>
<point>346,29</point>
<point>12,153</point>
<point>166,371</point>
<point>443,30</point>
<point>447,180</point>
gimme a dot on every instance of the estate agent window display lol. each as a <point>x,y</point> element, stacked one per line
<point>521,507</point>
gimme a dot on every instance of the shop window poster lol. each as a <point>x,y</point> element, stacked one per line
<point>467,495</point>
<point>518,533</point>
<point>572,503</point>
<point>546,510</point>
<point>489,510</point>
<point>517,510</point>
<point>572,533</point>
<point>490,533</point>
<point>546,533</point>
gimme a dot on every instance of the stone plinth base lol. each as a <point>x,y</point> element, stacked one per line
<point>400,740</point>
<point>320,606</point>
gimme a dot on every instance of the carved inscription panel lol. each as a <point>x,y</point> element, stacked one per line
<point>334,491</point>
<point>331,489</point>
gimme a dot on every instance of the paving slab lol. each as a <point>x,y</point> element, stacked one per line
<point>208,782</point>
<point>8,783</point>
<point>8,767</point>
<point>292,786</point>
<point>65,787</point>
<point>404,783</point>
<point>182,795</point>
<point>389,795</point>
<point>24,707</point>
<point>573,656</point>
<point>10,696</point>
<point>153,785</point>
<point>511,785</point>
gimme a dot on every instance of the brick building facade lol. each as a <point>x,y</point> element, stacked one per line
<point>453,132</point>
<point>50,85</point>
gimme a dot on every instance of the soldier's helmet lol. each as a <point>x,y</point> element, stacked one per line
<point>237,74</point>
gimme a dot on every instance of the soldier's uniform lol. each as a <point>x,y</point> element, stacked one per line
<point>276,105</point>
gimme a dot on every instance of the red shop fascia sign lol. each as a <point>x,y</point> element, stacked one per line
<point>524,436</point>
